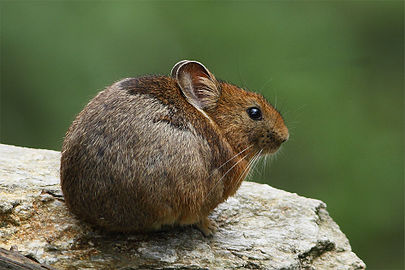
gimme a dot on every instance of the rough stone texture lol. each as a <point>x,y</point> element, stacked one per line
<point>260,228</point>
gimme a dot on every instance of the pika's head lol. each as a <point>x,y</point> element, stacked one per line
<point>246,119</point>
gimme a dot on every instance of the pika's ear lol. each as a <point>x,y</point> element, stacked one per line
<point>197,83</point>
<point>173,72</point>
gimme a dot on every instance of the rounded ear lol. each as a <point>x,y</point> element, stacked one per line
<point>197,83</point>
<point>173,72</point>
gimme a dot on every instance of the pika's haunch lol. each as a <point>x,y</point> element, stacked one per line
<point>160,150</point>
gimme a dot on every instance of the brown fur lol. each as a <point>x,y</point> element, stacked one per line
<point>149,151</point>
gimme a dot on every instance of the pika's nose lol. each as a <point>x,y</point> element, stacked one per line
<point>284,138</point>
<point>278,137</point>
<point>281,131</point>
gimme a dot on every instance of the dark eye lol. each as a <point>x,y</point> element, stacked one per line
<point>254,113</point>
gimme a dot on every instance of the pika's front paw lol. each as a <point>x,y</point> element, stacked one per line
<point>207,226</point>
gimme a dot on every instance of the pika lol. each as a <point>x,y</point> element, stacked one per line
<point>154,151</point>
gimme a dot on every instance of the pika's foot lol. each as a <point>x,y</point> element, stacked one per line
<point>207,226</point>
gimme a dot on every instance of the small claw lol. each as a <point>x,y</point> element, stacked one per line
<point>207,226</point>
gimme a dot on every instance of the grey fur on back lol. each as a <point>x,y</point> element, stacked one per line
<point>131,163</point>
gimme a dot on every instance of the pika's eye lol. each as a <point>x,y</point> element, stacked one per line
<point>254,113</point>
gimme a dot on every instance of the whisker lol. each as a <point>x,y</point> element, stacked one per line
<point>263,167</point>
<point>265,160</point>
<point>233,158</point>
<point>247,167</point>
<point>265,85</point>
<point>263,163</point>
<point>256,166</point>
<point>253,164</point>
<point>255,156</point>
<point>222,177</point>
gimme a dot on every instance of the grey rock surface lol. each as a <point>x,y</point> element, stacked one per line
<point>259,228</point>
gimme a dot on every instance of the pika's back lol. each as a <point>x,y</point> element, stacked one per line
<point>134,109</point>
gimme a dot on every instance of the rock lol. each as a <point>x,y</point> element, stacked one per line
<point>13,260</point>
<point>259,228</point>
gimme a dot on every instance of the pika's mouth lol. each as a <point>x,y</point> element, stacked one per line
<point>272,149</point>
<point>271,141</point>
<point>271,145</point>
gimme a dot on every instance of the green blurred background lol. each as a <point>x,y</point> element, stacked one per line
<point>335,70</point>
